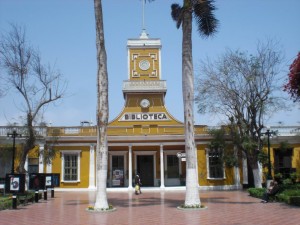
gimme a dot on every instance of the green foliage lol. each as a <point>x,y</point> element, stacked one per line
<point>249,145</point>
<point>5,203</point>
<point>294,200</point>
<point>218,144</point>
<point>218,141</point>
<point>287,181</point>
<point>294,176</point>
<point>257,192</point>
<point>263,158</point>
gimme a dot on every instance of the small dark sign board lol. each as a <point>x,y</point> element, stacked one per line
<point>55,179</point>
<point>15,183</point>
<point>38,181</point>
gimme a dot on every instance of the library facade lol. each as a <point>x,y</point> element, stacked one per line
<point>146,139</point>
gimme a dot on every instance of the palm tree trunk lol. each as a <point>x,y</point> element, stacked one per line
<point>102,111</point>
<point>192,194</point>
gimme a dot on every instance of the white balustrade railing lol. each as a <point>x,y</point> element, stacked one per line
<point>145,85</point>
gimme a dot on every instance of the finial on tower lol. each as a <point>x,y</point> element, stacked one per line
<point>144,34</point>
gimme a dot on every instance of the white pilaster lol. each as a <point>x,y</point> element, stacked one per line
<point>41,159</point>
<point>162,170</point>
<point>92,168</point>
<point>130,168</point>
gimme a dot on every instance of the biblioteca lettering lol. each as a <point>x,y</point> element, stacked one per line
<point>144,116</point>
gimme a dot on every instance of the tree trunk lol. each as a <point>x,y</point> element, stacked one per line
<point>256,174</point>
<point>192,194</point>
<point>29,144</point>
<point>102,111</point>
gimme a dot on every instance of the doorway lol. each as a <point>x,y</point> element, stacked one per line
<point>145,165</point>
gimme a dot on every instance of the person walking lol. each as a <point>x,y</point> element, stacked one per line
<point>137,183</point>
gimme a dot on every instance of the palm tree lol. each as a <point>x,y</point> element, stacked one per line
<point>202,10</point>
<point>102,111</point>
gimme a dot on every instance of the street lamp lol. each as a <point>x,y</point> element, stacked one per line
<point>14,134</point>
<point>269,133</point>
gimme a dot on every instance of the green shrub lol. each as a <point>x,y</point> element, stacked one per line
<point>291,192</point>
<point>287,181</point>
<point>257,192</point>
<point>5,203</point>
<point>294,200</point>
<point>282,197</point>
<point>287,194</point>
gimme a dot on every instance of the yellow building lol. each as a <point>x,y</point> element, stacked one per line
<point>146,139</point>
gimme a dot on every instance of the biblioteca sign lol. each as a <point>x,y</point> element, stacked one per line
<point>144,116</point>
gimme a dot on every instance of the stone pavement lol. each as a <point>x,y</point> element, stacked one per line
<point>152,207</point>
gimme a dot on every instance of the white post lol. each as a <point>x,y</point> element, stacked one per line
<point>162,170</point>
<point>92,168</point>
<point>130,168</point>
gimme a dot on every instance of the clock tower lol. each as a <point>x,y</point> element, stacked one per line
<point>144,58</point>
<point>144,91</point>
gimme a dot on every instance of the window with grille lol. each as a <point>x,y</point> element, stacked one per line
<point>71,166</point>
<point>33,165</point>
<point>215,165</point>
<point>172,166</point>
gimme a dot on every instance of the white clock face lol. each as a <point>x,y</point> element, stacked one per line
<point>145,103</point>
<point>144,65</point>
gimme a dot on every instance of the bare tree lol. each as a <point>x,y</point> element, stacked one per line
<point>37,84</point>
<point>102,111</point>
<point>242,87</point>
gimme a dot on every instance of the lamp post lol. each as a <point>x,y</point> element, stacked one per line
<point>269,133</point>
<point>14,134</point>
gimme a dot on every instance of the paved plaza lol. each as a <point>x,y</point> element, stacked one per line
<point>152,207</point>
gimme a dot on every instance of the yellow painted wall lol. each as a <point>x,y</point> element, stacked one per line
<point>202,171</point>
<point>84,166</point>
<point>137,55</point>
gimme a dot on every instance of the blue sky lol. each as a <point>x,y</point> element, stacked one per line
<point>64,33</point>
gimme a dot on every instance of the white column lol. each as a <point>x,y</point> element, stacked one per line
<point>130,168</point>
<point>162,170</point>
<point>245,169</point>
<point>41,159</point>
<point>92,168</point>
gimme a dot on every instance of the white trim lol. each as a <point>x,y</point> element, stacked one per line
<point>70,152</point>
